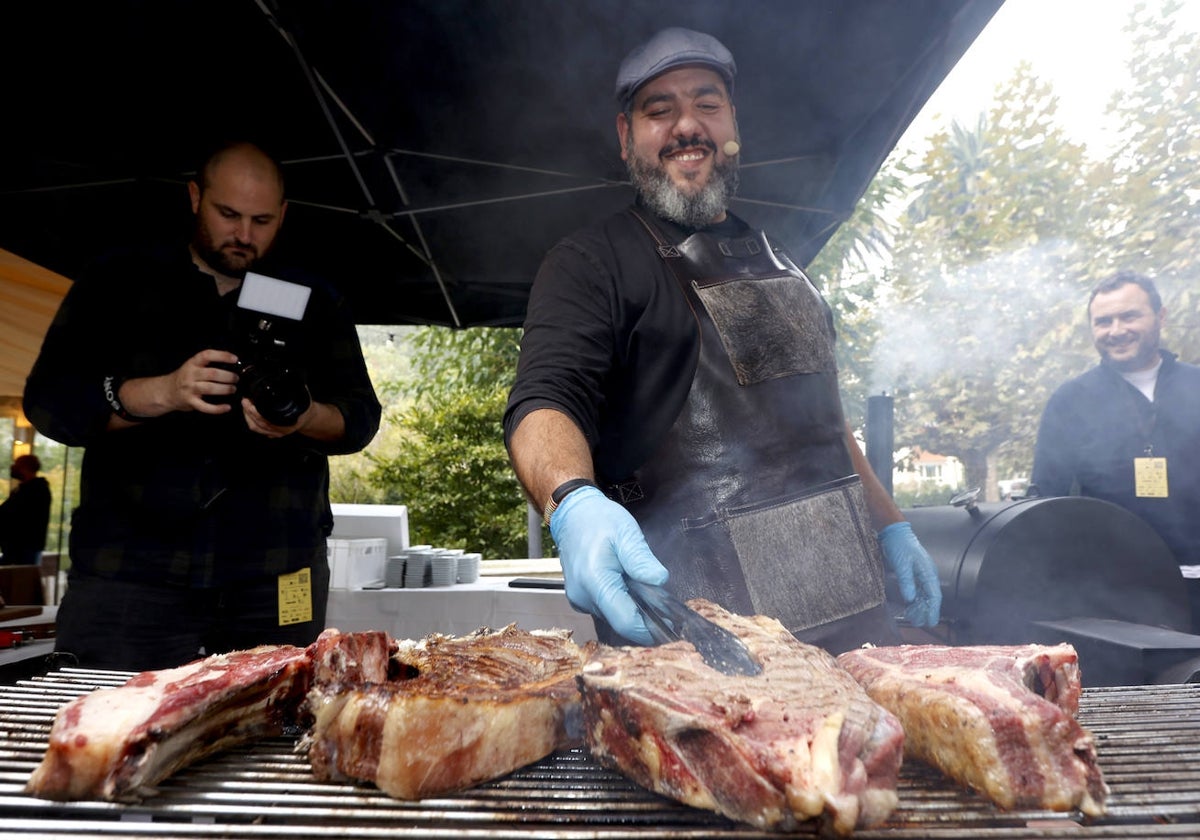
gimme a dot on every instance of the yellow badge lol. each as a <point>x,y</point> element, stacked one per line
<point>1150,477</point>
<point>295,597</point>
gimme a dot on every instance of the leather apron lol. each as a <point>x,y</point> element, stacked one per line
<point>751,500</point>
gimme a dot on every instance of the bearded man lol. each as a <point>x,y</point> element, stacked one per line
<point>1128,430</point>
<point>676,413</point>
<point>204,499</point>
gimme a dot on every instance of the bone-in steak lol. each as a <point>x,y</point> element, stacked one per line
<point>351,657</point>
<point>117,743</point>
<point>800,740</point>
<point>997,718</point>
<point>462,711</point>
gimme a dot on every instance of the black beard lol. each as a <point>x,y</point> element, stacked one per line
<point>216,259</point>
<point>668,201</point>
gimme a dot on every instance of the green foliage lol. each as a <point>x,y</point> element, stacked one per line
<point>60,467</point>
<point>1153,188</point>
<point>387,353</point>
<point>451,468</point>
<point>441,448</point>
<point>846,271</point>
<point>462,361</point>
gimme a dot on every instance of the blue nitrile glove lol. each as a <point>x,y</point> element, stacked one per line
<point>915,572</point>
<point>599,542</point>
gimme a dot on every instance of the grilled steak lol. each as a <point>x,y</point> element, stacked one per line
<point>463,710</point>
<point>997,718</point>
<point>117,743</point>
<point>351,657</point>
<point>800,740</point>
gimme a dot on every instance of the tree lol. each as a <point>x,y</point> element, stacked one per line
<point>387,353</point>
<point>1153,224</point>
<point>451,468</point>
<point>847,270</point>
<point>985,273</point>
<point>445,456</point>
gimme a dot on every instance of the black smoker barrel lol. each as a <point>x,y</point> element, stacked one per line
<point>1010,569</point>
<point>880,438</point>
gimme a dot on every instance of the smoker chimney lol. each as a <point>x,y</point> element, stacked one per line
<point>881,438</point>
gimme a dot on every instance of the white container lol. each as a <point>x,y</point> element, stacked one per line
<point>357,562</point>
<point>362,521</point>
<point>337,553</point>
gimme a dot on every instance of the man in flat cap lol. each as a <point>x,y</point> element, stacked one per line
<point>676,412</point>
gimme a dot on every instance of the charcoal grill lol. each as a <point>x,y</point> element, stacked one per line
<point>1056,569</point>
<point>1148,739</point>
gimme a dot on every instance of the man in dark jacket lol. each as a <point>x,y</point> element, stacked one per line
<point>1128,430</point>
<point>208,399</point>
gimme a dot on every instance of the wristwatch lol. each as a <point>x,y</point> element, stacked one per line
<point>561,492</point>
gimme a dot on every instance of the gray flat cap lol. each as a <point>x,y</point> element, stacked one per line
<point>667,50</point>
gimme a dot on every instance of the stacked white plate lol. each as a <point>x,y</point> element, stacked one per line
<point>393,571</point>
<point>443,566</point>
<point>468,567</point>
<point>416,567</point>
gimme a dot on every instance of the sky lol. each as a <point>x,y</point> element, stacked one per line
<point>1077,45</point>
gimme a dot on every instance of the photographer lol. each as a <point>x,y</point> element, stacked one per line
<point>201,525</point>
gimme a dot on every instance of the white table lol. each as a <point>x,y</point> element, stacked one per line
<point>455,610</point>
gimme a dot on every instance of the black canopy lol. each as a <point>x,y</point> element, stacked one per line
<point>434,150</point>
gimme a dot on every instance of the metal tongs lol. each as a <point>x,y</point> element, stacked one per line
<point>670,619</point>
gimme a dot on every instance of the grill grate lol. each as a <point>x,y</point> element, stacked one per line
<point>1148,739</point>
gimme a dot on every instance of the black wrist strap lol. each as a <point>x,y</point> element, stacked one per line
<point>112,387</point>
<point>561,492</point>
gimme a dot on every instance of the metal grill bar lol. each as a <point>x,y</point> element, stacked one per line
<point>1148,739</point>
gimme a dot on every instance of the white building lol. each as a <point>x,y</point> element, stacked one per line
<point>925,471</point>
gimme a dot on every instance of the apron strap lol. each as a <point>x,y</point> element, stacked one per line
<point>630,490</point>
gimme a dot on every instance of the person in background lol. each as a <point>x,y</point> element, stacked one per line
<point>25,514</point>
<point>676,411</point>
<point>1128,430</point>
<point>203,515</point>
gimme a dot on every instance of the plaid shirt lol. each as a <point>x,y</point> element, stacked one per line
<point>190,499</point>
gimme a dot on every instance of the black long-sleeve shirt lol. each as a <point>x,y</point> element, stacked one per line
<point>190,498</point>
<point>609,341</point>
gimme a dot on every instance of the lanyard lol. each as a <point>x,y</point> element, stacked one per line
<point>1145,413</point>
<point>1146,424</point>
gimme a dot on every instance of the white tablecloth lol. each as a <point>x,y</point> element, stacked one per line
<point>455,610</point>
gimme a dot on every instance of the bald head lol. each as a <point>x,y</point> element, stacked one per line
<point>244,157</point>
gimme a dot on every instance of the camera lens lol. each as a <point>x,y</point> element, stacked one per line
<point>279,394</point>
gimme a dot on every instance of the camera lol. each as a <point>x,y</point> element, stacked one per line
<point>279,392</point>
<point>268,375</point>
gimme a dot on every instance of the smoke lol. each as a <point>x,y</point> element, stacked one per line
<point>976,319</point>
